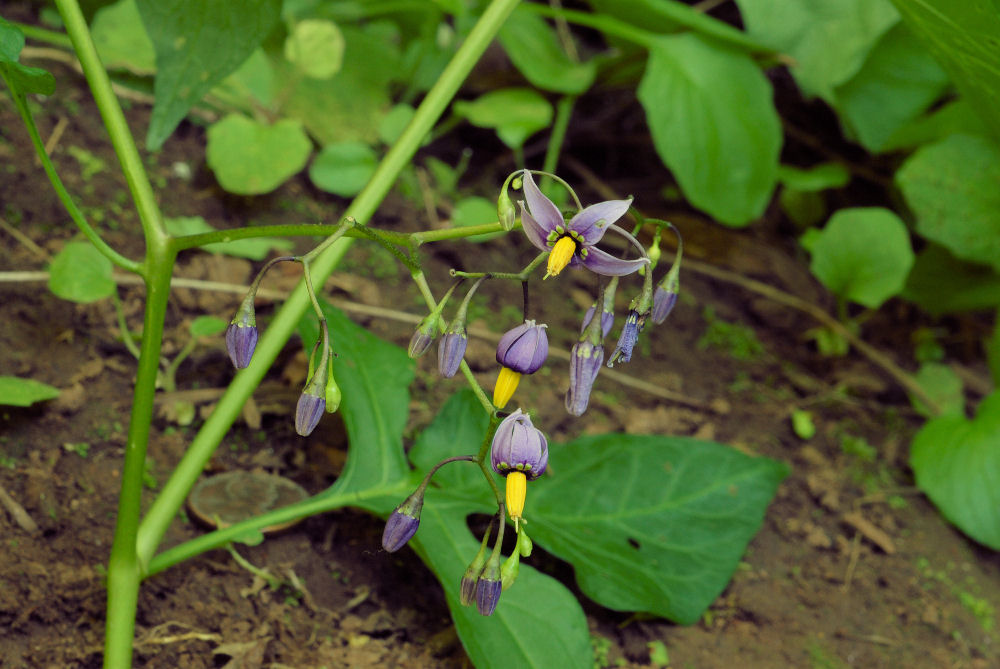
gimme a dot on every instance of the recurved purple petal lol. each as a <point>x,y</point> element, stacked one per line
<point>536,234</point>
<point>594,221</point>
<point>599,262</point>
<point>542,208</point>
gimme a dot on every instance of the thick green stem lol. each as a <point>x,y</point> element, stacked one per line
<point>165,507</point>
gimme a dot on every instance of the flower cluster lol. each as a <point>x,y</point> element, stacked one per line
<point>517,450</point>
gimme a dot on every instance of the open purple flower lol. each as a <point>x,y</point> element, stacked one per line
<point>572,243</point>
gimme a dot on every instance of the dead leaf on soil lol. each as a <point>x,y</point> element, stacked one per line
<point>870,532</point>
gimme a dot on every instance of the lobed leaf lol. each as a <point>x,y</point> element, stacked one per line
<point>714,125</point>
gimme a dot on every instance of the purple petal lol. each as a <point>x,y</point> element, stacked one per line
<point>544,211</point>
<point>536,234</point>
<point>594,221</point>
<point>599,262</point>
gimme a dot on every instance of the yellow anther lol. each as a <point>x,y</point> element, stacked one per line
<point>517,489</point>
<point>560,255</point>
<point>505,387</point>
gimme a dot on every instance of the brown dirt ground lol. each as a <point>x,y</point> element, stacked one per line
<point>853,567</point>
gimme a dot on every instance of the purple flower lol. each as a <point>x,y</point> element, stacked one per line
<point>585,362</point>
<point>450,352</point>
<point>663,303</point>
<point>518,446</point>
<point>308,411</point>
<point>487,595</point>
<point>607,320</point>
<point>524,349</point>
<point>399,529</point>
<point>627,339</point>
<point>573,242</point>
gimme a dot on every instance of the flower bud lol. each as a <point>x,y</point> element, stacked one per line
<point>420,341</point>
<point>524,349</point>
<point>509,571</point>
<point>506,213</point>
<point>333,394</point>
<point>308,411</point>
<point>628,338</point>
<point>451,351</point>
<point>470,580</point>
<point>520,452</point>
<point>489,587</point>
<point>663,303</point>
<point>241,335</point>
<point>403,522</point>
<point>607,320</point>
<point>585,362</point>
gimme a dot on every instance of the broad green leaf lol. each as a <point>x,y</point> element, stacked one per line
<point>81,273</point>
<point>207,326</point>
<point>951,186</point>
<point>20,392</point>
<point>992,346</point>
<point>343,168</point>
<point>535,50</point>
<point>650,523</point>
<point>11,41</point>
<point>957,464</point>
<point>121,39</point>
<point>515,113</point>
<point>713,122</point>
<point>816,178</point>
<point>940,283</point>
<point>458,429</point>
<point>348,106</point>
<point>944,387</point>
<point>475,210</point>
<point>251,86</point>
<point>964,37</point>
<point>954,118</point>
<point>897,83</point>
<point>29,79</point>
<point>394,123</point>
<point>374,377</point>
<point>198,43</point>
<point>828,40</point>
<point>250,158</point>
<point>257,248</point>
<point>316,47</point>
<point>863,255</point>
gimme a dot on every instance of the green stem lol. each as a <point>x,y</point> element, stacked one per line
<point>564,111</point>
<point>61,192</point>
<point>165,507</point>
<point>44,35</point>
<point>513,276</point>
<point>170,373</point>
<point>114,121</point>
<point>123,325</point>
<point>454,233</point>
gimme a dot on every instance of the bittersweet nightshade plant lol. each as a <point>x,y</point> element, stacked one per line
<point>519,452</point>
<point>522,350</point>
<point>241,334</point>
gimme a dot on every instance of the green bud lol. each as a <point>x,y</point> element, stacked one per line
<point>505,211</point>
<point>509,570</point>
<point>332,393</point>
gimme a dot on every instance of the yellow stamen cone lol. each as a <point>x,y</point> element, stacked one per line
<point>517,489</point>
<point>505,387</point>
<point>560,255</point>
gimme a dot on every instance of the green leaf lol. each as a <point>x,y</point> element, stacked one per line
<point>944,387</point>
<point>198,43</point>
<point>250,158</point>
<point>649,523</point>
<point>816,178</point>
<point>863,255</point>
<point>714,125</point>
<point>121,39</point>
<point>251,86</point>
<point>951,186</point>
<point>515,113</point>
<point>11,41</point>
<point>394,123</point>
<point>458,429</point>
<point>257,248</point>
<point>81,273</point>
<point>475,210</point>
<point>207,326</point>
<point>897,83</point>
<point>535,50</point>
<point>955,117</point>
<point>316,47</point>
<point>343,168</point>
<point>964,37</point>
<point>828,40</point>
<point>374,377</point>
<point>348,106</point>
<point>957,464</point>
<point>940,283</point>
<point>19,392</point>
<point>992,346</point>
<point>29,79</point>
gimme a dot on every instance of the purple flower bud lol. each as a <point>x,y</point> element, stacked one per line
<point>663,303</point>
<point>585,363</point>
<point>523,349</point>
<point>450,352</point>
<point>519,446</point>
<point>308,411</point>
<point>628,338</point>
<point>399,529</point>
<point>241,340</point>
<point>487,595</point>
<point>419,343</point>
<point>607,320</point>
<point>467,588</point>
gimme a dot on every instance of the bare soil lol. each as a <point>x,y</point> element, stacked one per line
<point>853,567</point>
